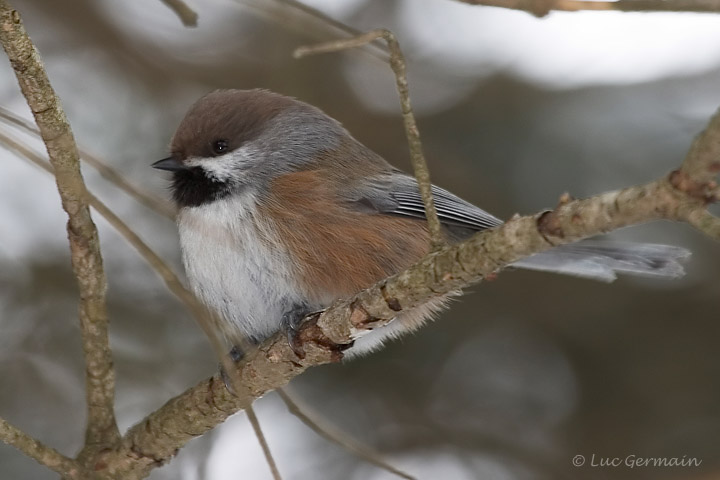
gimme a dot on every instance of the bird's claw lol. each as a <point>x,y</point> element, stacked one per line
<point>292,320</point>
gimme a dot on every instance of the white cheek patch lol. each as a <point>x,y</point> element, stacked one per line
<point>228,167</point>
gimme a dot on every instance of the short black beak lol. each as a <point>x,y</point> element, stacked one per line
<point>170,164</point>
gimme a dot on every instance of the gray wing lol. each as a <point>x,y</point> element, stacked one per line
<point>398,194</point>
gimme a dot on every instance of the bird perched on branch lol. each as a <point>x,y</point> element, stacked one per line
<point>282,212</point>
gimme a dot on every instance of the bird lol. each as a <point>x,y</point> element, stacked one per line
<point>281,212</point>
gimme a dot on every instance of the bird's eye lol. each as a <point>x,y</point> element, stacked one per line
<point>220,146</point>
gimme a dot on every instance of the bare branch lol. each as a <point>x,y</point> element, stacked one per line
<point>84,245</point>
<point>334,435</point>
<point>274,363</point>
<point>106,171</point>
<point>44,455</point>
<point>186,14</point>
<point>295,15</point>
<point>541,8</point>
<point>250,411</point>
<point>397,63</point>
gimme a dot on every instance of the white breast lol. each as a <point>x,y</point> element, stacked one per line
<point>236,266</point>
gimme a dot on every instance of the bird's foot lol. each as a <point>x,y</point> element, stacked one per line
<point>291,322</point>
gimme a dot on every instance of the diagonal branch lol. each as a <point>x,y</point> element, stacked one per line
<point>110,174</point>
<point>44,455</point>
<point>250,411</point>
<point>273,364</point>
<point>332,434</point>
<point>84,244</point>
<point>397,63</point>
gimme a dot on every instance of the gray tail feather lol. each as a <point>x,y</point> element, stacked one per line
<point>603,260</point>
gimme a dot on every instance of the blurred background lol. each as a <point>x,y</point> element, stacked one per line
<point>521,374</point>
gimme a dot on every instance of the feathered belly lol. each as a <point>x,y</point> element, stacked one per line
<point>235,268</point>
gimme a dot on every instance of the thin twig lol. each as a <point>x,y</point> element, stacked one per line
<point>44,455</point>
<point>84,244</point>
<point>397,63</point>
<point>334,435</point>
<point>250,411</point>
<point>187,15</point>
<point>281,12</point>
<point>541,8</point>
<point>106,171</point>
<point>331,22</point>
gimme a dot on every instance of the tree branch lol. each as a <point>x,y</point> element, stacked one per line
<point>106,171</point>
<point>250,411</point>
<point>44,455</point>
<point>187,15</point>
<point>84,244</point>
<point>397,63</point>
<point>295,15</point>
<point>540,8</point>
<point>156,439</point>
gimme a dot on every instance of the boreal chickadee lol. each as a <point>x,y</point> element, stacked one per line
<point>282,212</point>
